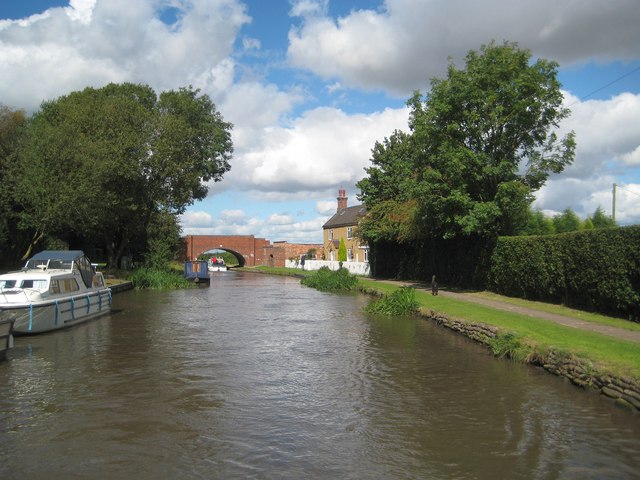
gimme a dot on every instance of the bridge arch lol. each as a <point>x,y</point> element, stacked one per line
<point>237,255</point>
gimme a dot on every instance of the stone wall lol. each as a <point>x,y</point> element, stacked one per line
<point>582,373</point>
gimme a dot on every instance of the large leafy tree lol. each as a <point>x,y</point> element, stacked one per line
<point>482,142</point>
<point>12,123</point>
<point>104,162</point>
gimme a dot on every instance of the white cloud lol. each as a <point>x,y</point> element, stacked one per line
<point>91,43</point>
<point>607,131</point>
<point>406,43</point>
<point>632,158</point>
<point>279,219</point>
<point>81,10</point>
<point>323,148</point>
<point>251,43</point>
<point>326,208</point>
<point>196,220</point>
<point>309,7</point>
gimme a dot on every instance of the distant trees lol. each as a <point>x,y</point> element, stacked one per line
<point>116,165</point>
<point>567,221</point>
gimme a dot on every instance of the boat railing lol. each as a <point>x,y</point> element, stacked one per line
<point>80,297</point>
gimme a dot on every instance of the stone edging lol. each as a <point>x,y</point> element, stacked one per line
<point>580,372</point>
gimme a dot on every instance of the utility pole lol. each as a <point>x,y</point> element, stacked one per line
<point>613,215</point>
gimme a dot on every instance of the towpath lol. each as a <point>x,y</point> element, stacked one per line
<point>568,321</point>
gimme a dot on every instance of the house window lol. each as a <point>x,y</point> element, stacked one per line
<point>366,254</point>
<point>349,232</point>
<point>349,255</point>
<point>331,234</point>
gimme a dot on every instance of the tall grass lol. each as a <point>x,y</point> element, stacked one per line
<point>399,302</point>
<point>159,279</point>
<point>326,280</point>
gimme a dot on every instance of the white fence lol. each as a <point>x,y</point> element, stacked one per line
<point>357,268</point>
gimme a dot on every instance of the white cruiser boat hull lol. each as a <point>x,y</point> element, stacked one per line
<point>56,289</point>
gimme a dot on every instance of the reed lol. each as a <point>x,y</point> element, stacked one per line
<point>326,280</point>
<point>399,302</point>
<point>158,279</point>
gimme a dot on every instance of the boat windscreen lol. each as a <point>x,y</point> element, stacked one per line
<point>86,270</point>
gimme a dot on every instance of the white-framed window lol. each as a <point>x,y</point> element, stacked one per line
<point>331,234</point>
<point>349,254</point>
<point>349,232</point>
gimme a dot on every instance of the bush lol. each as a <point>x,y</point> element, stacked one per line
<point>158,279</point>
<point>328,281</point>
<point>400,302</point>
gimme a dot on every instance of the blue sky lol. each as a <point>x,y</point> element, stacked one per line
<point>310,85</point>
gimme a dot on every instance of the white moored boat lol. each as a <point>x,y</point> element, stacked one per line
<point>217,265</point>
<point>6,337</point>
<point>55,289</point>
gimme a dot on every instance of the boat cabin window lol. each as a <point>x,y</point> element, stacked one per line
<point>34,283</point>
<point>64,285</point>
<point>7,283</point>
<point>98,281</point>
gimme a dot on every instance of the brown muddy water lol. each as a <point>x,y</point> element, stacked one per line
<point>259,377</point>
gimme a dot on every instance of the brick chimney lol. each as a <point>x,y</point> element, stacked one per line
<point>342,199</point>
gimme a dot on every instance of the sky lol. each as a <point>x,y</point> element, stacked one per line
<point>311,85</point>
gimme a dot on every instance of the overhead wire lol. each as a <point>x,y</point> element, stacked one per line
<point>607,85</point>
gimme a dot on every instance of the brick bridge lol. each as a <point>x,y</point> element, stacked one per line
<point>248,249</point>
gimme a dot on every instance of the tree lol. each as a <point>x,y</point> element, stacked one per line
<point>342,251</point>
<point>103,162</point>
<point>390,190</point>
<point>163,240</point>
<point>481,143</point>
<point>567,221</point>
<point>600,220</point>
<point>12,123</point>
<point>538,224</point>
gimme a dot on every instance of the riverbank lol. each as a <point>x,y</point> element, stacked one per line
<point>600,354</point>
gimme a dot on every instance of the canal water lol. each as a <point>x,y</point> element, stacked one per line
<point>259,377</point>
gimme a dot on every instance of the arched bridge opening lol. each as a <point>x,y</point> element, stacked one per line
<point>238,256</point>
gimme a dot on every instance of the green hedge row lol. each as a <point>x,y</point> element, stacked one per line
<point>596,270</point>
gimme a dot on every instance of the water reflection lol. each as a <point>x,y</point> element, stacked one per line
<point>257,376</point>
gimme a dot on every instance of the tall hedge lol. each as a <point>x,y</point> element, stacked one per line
<point>596,270</point>
<point>456,262</point>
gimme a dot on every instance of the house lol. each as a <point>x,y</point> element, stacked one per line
<point>343,225</point>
